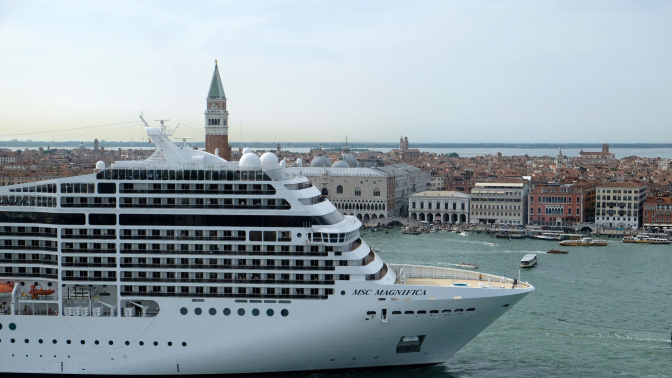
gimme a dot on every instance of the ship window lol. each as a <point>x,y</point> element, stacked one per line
<point>198,311</point>
<point>241,311</point>
<point>270,312</point>
<point>255,312</point>
<point>284,312</point>
<point>409,312</point>
<point>227,311</point>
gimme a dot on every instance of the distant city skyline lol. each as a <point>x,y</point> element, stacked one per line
<point>435,71</point>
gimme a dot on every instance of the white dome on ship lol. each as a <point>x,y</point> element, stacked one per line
<point>247,150</point>
<point>269,158</point>
<point>320,161</point>
<point>249,160</point>
<point>100,165</point>
<point>283,163</point>
<point>299,162</point>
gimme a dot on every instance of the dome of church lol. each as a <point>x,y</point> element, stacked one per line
<point>340,163</point>
<point>350,159</point>
<point>320,161</point>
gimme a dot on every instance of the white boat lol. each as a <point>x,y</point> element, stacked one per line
<point>464,233</point>
<point>188,264</point>
<point>528,260</point>
<point>644,239</point>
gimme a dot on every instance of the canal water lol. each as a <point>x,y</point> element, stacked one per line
<point>596,311</point>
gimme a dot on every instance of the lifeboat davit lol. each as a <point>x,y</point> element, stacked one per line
<point>34,291</point>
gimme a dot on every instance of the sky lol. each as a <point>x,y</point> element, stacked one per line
<point>322,71</point>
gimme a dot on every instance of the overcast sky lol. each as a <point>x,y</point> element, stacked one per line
<point>311,71</point>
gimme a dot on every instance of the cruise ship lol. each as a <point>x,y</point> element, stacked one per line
<point>188,263</point>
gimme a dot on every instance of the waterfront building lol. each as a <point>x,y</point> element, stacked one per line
<point>499,203</point>
<point>620,204</point>
<point>658,211</point>
<point>439,206</point>
<point>368,193</point>
<point>217,119</point>
<point>556,205</point>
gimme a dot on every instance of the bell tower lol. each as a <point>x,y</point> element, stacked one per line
<point>217,119</point>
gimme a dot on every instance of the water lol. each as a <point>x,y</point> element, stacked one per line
<point>592,313</point>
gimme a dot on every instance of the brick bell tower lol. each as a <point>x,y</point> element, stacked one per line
<point>217,119</point>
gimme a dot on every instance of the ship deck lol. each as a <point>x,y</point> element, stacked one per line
<point>435,276</point>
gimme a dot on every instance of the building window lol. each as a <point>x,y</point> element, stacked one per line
<point>339,189</point>
<point>358,192</point>
<point>376,192</point>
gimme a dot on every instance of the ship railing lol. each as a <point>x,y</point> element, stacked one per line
<point>420,271</point>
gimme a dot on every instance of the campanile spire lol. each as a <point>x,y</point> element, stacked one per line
<point>217,118</point>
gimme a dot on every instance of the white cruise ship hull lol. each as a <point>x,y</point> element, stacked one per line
<point>337,333</point>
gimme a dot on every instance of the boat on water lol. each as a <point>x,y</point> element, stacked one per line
<point>467,265</point>
<point>556,251</point>
<point>548,236</point>
<point>510,234</point>
<point>189,264</point>
<point>643,239</point>
<point>464,233</point>
<point>529,260</point>
<point>586,241</point>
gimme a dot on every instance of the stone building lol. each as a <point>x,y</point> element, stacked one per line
<point>620,204</point>
<point>439,206</point>
<point>499,203</point>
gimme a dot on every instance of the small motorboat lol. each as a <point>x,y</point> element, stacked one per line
<point>558,251</point>
<point>528,260</point>
<point>464,233</point>
<point>467,265</point>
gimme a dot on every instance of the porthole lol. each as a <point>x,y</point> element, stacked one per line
<point>127,342</point>
<point>111,342</point>
<point>270,312</point>
<point>284,312</point>
<point>49,284</point>
<point>198,311</point>
<point>184,311</point>
<point>82,342</point>
<point>184,343</point>
<point>156,343</point>
<point>0,325</point>
<point>227,311</point>
<point>241,311</point>
<point>26,341</point>
<point>297,235</point>
<point>96,342</point>
<point>255,312</point>
<point>54,341</point>
<point>12,326</point>
<point>342,292</point>
<point>68,342</point>
<point>212,311</point>
<point>170,343</point>
<point>13,341</point>
<point>141,343</point>
<point>40,341</point>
